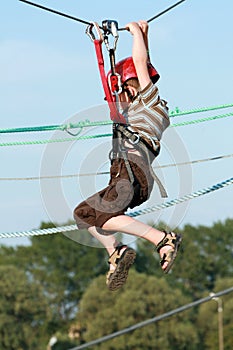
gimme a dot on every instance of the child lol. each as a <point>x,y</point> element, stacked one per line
<point>131,180</point>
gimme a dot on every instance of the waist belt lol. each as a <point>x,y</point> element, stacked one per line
<point>140,144</point>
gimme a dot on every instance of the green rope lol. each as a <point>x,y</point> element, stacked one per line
<point>88,123</point>
<point>82,124</point>
<point>41,142</point>
<point>87,137</point>
<point>177,112</point>
<point>196,121</point>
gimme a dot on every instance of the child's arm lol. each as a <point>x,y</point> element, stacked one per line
<point>144,28</point>
<point>139,54</point>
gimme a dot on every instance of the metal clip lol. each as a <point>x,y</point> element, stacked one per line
<point>89,32</point>
<point>110,27</point>
<point>117,83</point>
<point>136,141</point>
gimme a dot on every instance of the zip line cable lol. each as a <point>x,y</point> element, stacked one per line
<point>88,137</point>
<point>167,204</point>
<point>87,22</point>
<point>154,319</point>
<point>55,12</point>
<point>88,123</point>
<point>161,13</point>
<point>52,177</point>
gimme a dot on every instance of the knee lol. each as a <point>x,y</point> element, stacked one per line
<point>80,213</point>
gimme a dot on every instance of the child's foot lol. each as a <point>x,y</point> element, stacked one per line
<point>120,261</point>
<point>168,248</point>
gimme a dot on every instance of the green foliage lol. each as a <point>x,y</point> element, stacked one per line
<point>55,283</point>
<point>212,254</point>
<point>23,311</point>
<point>63,342</point>
<point>208,318</point>
<point>63,268</point>
<point>142,298</point>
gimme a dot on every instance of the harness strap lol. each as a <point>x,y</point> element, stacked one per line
<point>162,190</point>
<point>114,114</point>
<point>122,150</point>
<point>135,139</point>
<point>145,148</point>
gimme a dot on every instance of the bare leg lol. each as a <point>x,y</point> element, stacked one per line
<point>109,242</point>
<point>121,259</point>
<point>123,223</point>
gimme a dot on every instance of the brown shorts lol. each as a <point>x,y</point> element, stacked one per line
<point>118,196</point>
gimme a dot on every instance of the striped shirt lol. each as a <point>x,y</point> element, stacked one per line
<point>148,114</point>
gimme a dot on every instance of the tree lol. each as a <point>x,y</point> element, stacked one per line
<point>207,256</point>
<point>142,298</point>
<point>207,320</point>
<point>23,311</point>
<point>64,269</point>
<point>57,283</point>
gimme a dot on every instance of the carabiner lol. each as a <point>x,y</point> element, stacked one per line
<point>110,27</point>
<point>89,32</point>
<point>114,81</point>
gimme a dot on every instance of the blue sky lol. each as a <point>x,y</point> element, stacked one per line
<point>49,76</point>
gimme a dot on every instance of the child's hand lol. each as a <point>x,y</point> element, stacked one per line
<point>133,27</point>
<point>144,26</point>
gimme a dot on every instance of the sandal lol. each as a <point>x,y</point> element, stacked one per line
<point>117,277</point>
<point>173,240</point>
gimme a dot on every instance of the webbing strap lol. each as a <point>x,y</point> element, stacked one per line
<point>162,190</point>
<point>114,113</point>
<point>140,144</point>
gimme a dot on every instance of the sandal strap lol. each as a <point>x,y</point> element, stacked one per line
<point>168,239</point>
<point>114,258</point>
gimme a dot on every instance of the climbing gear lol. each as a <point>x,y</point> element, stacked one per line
<point>112,85</point>
<point>123,133</point>
<point>55,12</point>
<point>173,240</point>
<point>126,70</point>
<point>111,91</point>
<point>116,278</point>
<point>85,22</point>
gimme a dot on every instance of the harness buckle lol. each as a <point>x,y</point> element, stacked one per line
<point>136,141</point>
<point>89,32</point>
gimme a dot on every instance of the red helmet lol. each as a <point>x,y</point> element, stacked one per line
<point>126,69</point>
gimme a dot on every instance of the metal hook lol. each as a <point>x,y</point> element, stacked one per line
<point>89,32</point>
<point>110,27</point>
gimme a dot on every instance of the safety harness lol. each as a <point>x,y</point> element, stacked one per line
<point>121,132</point>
